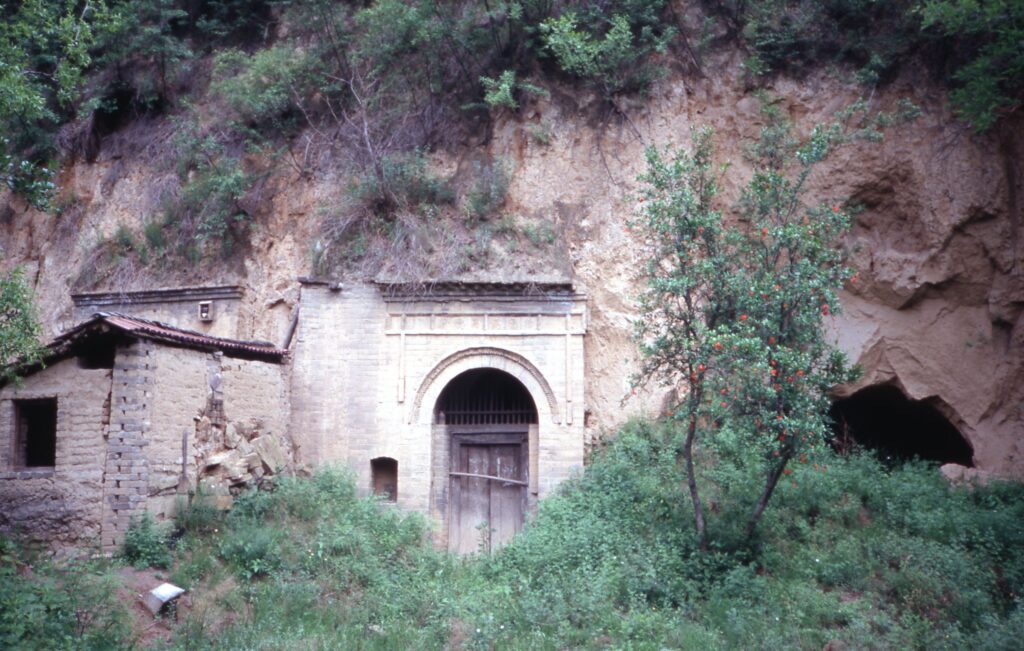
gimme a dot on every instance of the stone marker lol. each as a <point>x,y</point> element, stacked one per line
<point>159,596</point>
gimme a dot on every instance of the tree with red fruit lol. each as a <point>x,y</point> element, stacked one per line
<point>735,302</point>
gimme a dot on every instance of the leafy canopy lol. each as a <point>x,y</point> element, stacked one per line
<point>735,305</point>
<point>19,330</point>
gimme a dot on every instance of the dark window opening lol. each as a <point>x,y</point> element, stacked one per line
<point>97,352</point>
<point>36,432</point>
<point>384,471</point>
<point>883,419</point>
<point>485,397</point>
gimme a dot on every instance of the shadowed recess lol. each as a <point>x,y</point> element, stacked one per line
<point>485,397</point>
<point>882,418</point>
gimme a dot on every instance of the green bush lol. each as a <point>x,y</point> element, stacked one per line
<point>490,186</point>
<point>610,47</point>
<point>868,555</point>
<point>264,89</point>
<point>70,606</point>
<point>197,515</point>
<point>399,183</point>
<point>146,543</point>
<point>987,39</point>
<point>252,549</point>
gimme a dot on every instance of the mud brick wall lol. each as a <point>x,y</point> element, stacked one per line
<point>62,504</point>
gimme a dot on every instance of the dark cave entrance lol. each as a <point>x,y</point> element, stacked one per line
<point>883,419</point>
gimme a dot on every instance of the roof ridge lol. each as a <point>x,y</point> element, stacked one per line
<point>185,331</point>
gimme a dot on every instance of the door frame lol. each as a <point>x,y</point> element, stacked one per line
<point>512,434</point>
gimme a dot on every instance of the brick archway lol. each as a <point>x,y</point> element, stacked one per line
<point>484,357</point>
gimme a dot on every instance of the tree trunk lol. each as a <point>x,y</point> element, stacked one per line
<point>766,494</point>
<point>691,479</point>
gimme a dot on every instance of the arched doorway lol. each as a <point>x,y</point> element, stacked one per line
<point>486,415</point>
<point>884,419</point>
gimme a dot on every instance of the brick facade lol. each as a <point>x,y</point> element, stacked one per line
<point>369,365</point>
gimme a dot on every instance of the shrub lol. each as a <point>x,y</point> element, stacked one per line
<point>251,549</point>
<point>198,515</point>
<point>264,89</point>
<point>987,36</point>
<point>146,543</point>
<point>400,182</point>
<point>490,186</point>
<point>501,92</point>
<point>71,606</point>
<point>19,330</point>
<point>610,50</point>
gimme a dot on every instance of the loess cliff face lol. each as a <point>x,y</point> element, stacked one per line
<point>936,309</point>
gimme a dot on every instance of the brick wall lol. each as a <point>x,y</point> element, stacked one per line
<point>368,369</point>
<point>175,307</point>
<point>120,434</point>
<point>61,505</point>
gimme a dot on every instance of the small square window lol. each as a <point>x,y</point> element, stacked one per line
<point>35,433</point>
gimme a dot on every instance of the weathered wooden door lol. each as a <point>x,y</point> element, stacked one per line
<point>488,490</point>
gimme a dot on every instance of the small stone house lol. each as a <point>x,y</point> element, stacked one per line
<point>128,414</point>
<point>460,400</point>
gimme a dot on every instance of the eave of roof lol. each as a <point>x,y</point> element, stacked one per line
<point>157,331</point>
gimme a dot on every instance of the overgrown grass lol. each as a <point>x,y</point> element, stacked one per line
<point>873,557</point>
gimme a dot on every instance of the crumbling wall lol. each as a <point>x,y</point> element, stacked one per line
<point>60,505</point>
<point>226,416</point>
<point>242,437</point>
<point>137,438</point>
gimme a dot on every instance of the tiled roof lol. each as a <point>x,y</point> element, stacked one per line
<point>157,331</point>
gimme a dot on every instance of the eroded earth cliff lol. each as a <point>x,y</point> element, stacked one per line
<point>936,309</point>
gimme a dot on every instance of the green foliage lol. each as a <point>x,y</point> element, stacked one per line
<point>212,211</point>
<point>610,47</point>
<point>19,329</point>
<point>991,36</point>
<point>489,188</point>
<point>252,550</point>
<point>501,92</point>
<point>266,88</point>
<point>67,607</point>
<point>540,234</point>
<point>146,37</point>
<point>979,41</point>
<point>734,309</point>
<point>319,565</point>
<point>863,554</point>
<point>797,35</point>
<point>245,20</point>
<point>146,543</point>
<point>198,515</point>
<point>400,183</point>
<point>44,52</point>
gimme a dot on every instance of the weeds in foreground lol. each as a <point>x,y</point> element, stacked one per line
<point>869,556</point>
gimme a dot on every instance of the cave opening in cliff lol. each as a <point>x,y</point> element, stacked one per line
<point>883,419</point>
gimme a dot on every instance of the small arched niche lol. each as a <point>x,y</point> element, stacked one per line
<point>384,477</point>
<point>884,419</point>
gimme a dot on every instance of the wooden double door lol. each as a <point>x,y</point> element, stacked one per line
<point>488,489</point>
